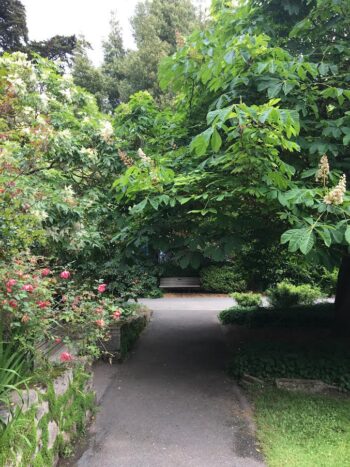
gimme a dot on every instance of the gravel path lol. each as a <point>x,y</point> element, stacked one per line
<point>171,403</point>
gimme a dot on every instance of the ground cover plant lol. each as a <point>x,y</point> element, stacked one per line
<point>328,361</point>
<point>296,429</point>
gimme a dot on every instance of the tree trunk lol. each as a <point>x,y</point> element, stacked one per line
<point>342,298</point>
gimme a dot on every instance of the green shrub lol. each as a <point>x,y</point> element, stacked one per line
<point>247,299</point>
<point>328,281</point>
<point>320,315</point>
<point>130,333</point>
<point>286,294</point>
<point>129,281</point>
<point>329,362</point>
<point>222,279</point>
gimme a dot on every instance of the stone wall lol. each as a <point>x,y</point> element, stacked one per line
<point>52,416</point>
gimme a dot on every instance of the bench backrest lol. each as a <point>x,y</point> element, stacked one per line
<point>180,282</point>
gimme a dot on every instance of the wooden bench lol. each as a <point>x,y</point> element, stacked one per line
<point>180,283</point>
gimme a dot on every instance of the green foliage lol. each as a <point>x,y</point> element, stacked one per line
<point>328,281</point>
<point>130,332</point>
<point>223,279</point>
<point>14,31</point>
<point>247,299</point>
<point>60,159</point>
<point>285,294</point>
<point>57,48</point>
<point>267,263</point>
<point>297,429</point>
<point>154,24</point>
<point>68,411</point>
<point>329,362</point>
<point>320,315</point>
<point>157,26</point>
<point>130,281</point>
<point>13,373</point>
<point>88,77</point>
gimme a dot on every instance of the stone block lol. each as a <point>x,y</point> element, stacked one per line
<point>43,409</point>
<point>53,433</point>
<point>61,383</point>
<point>5,415</point>
<point>312,386</point>
<point>249,380</point>
<point>25,399</point>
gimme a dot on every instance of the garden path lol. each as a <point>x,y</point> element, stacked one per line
<point>171,403</point>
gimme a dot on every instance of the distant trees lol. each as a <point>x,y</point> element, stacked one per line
<point>157,25</point>
<point>13,26</point>
<point>14,35</point>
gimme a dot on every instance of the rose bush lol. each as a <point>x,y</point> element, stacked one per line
<point>39,303</point>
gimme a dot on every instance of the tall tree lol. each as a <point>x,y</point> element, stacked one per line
<point>87,76</point>
<point>13,26</point>
<point>156,25</point>
<point>265,114</point>
<point>114,54</point>
<point>14,35</point>
<point>56,48</point>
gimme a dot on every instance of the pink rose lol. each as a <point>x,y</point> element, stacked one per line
<point>11,283</point>
<point>116,314</point>
<point>13,303</point>
<point>66,357</point>
<point>28,288</point>
<point>102,288</point>
<point>43,304</point>
<point>58,340</point>
<point>100,323</point>
<point>45,272</point>
<point>65,275</point>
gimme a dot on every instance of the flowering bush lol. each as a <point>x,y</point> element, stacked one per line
<point>27,292</point>
<point>39,303</point>
<point>58,160</point>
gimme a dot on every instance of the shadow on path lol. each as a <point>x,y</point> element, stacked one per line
<point>171,403</point>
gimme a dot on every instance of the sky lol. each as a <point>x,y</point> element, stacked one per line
<point>46,18</point>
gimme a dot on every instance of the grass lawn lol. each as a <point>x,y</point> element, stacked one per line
<point>299,430</point>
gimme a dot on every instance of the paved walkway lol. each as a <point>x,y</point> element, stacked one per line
<point>171,403</point>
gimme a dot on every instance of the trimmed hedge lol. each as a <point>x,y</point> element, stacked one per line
<point>320,315</point>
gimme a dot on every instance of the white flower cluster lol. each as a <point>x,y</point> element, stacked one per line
<point>336,196</point>
<point>68,195</point>
<point>323,170</point>
<point>106,131</point>
<point>91,153</point>
<point>143,156</point>
<point>40,215</point>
